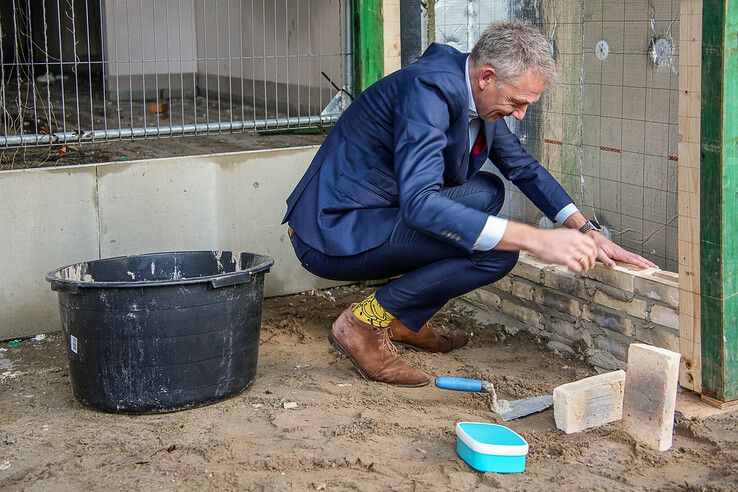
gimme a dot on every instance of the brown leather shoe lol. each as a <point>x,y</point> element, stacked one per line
<point>372,353</point>
<point>426,339</point>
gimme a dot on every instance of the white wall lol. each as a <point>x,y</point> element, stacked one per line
<point>163,30</point>
<point>274,34</point>
<point>144,42</point>
<point>271,52</point>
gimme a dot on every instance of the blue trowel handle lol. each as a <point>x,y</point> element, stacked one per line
<point>459,384</point>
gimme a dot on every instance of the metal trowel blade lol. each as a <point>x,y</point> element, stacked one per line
<point>526,406</point>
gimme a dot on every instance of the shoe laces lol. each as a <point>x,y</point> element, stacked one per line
<point>385,342</point>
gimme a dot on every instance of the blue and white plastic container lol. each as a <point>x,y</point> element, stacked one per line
<point>491,447</point>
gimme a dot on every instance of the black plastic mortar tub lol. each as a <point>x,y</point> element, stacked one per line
<point>164,331</point>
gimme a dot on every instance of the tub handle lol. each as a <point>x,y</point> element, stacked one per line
<point>243,277</point>
<point>70,287</point>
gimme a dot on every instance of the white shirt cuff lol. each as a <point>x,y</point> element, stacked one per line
<point>491,234</point>
<point>565,213</point>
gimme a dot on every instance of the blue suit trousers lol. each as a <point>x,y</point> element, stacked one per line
<point>431,271</point>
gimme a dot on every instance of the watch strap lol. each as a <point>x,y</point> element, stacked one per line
<point>588,226</point>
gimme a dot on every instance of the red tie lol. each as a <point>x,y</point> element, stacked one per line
<point>480,144</point>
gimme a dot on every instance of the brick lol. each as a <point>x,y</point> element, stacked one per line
<point>589,402</point>
<point>604,360</point>
<point>531,260</point>
<point>621,276</point>
<point>665,276</point>
<point>522,290</point>
<point>568,330</point>
<point>637,308</point>
<point>664,316</point>
<point>483,297</point>
<point>550,336</point>
<point>562,279</point>
<point>538,295</point>
<point>609,344</point>
<point>611,291</point>
<point>660,336</point>
<point>560,347</point>
<point>504,283</point>
<point>522,313</point>
<point>527,270</point>
<point>666,338</point>
<point>611,320</point>
<point>562,303</point>
<point>644,333</point>
<point>657,289</point>
<point>650,395</point>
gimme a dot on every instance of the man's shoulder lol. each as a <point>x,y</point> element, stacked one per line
<point>443,49</point>
<point>440,65</point>
<point>443,57</point>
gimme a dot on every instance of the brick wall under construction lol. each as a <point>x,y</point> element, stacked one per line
<point>595,315</point>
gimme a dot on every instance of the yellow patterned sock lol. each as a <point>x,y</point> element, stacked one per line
<point>372,313</point>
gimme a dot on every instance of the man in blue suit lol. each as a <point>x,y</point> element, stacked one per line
<point>396,189</point>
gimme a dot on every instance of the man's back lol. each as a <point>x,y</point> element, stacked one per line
<point>349,198</point>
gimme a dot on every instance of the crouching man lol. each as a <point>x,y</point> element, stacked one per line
<point>396,190</point>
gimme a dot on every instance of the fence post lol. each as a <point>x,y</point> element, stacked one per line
<point>718,201</point>
<point>368,43</point>
<point>411,21</point>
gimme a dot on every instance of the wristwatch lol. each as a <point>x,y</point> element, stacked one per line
<point>588,226</point>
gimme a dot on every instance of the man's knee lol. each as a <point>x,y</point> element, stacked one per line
<point>497,263</point>
<point>485,191</point>
<point>496,188</point>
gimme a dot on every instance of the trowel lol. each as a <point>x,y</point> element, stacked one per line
<point>507,409</point>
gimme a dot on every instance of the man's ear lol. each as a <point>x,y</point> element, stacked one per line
<point>486,76</point>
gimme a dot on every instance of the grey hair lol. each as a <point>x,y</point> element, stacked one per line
<point>513,48</point>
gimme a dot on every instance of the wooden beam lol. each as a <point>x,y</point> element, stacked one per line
<point>368,43</point>
<point>719,202</point>
<point>392,44</point>
<point>690,73</point>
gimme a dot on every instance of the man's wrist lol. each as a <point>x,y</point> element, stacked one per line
<point>588,227</point>
<point>575,220</point>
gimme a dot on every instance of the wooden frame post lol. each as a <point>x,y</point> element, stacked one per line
<point>719,201</point>
<point>368,43</point>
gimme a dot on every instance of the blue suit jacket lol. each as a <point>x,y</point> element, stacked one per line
<point>396,146</point>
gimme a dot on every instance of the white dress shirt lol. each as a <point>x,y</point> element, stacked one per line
<point>495,227</point>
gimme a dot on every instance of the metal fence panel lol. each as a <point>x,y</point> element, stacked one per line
<point>99,70</point>
<point>609,130</point>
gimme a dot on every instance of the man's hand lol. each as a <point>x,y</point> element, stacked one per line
<point>609,252</point>
<point>572,249</point>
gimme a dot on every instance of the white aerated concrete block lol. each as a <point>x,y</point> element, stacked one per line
<point>589,402</point>
<point>650,395</point>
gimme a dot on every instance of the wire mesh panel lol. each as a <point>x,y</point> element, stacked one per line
<point>608,131</point>
<point>99,70</point>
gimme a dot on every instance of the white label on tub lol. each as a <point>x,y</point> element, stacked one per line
<point>73,343</point>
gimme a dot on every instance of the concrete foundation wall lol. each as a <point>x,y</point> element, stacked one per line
<point>54,217</point>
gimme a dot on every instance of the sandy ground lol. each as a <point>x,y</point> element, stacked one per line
<point>345,433</point>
